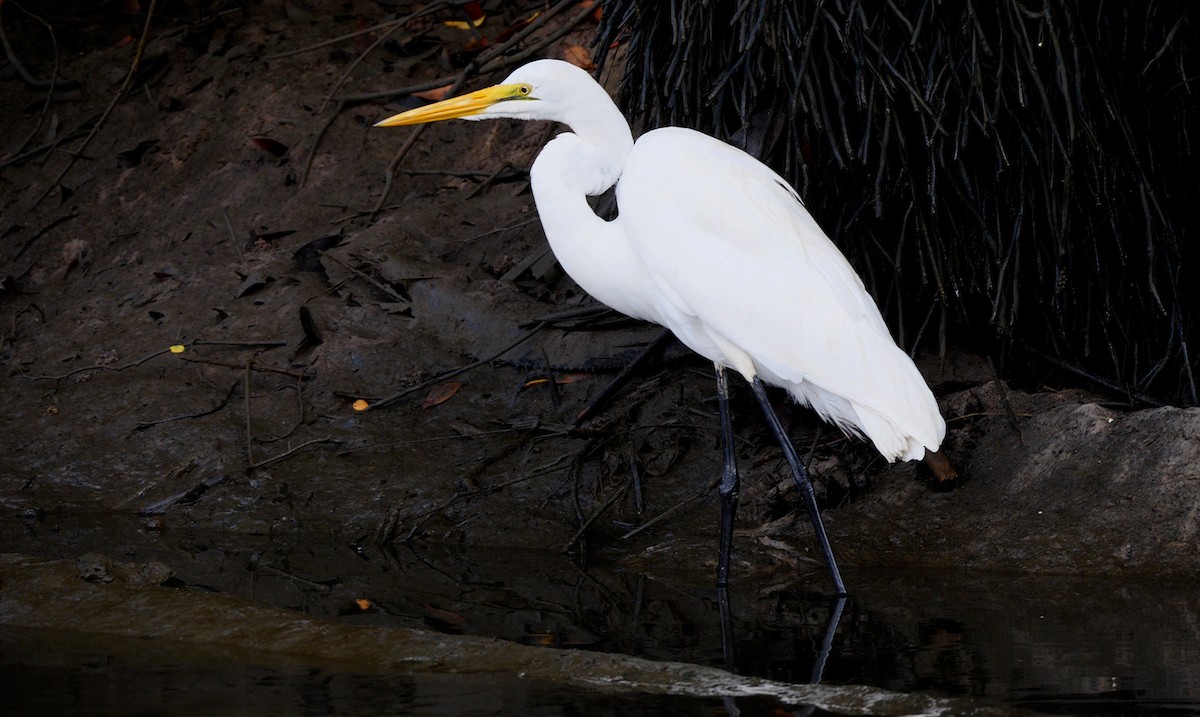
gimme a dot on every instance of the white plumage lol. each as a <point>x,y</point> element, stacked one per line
<point>714,245</point>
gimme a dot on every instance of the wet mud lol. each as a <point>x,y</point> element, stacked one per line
<point>293,298</point>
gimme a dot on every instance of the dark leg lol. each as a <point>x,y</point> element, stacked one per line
<point>800,474</point>
<point>727,646</point>
<point>835,616</point>
<point>729,501</point>
<point>729,479</point>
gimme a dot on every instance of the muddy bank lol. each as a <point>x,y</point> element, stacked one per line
<point>293,300</point>
<point>98,595</point>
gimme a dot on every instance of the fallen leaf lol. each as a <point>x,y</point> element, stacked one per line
<point>133,157</point>
<point>579,56</point>
<point>270,146</point>
<point>597,13</point>
<point>474,12</point>
<point>363,604</point>
<point>564,380</point>
<point>443,619</point>
<point>253,283</point>
<point>272,236</point>
<point>308,257</point>
<point>516,27</point>
<point>437,94</point>
<point>441,393</point>
<point>360,405</point>
<point>312,335</point>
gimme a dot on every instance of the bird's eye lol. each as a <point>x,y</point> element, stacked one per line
<point>524,89</point>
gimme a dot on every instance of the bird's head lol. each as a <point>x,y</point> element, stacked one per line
<point>541,90</point>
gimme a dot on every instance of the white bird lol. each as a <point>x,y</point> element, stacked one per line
<point>714,245</point>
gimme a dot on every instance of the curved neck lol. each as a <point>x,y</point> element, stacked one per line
<point>591,250</point>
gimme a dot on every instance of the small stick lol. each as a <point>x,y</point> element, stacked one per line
<point>673,509</point>
<point>312,151</point>
<point>142,425</point>
<point>268,461</point>
<point>191,495</point>
<point>425,515</point>
<point>249,434</point>
<point>30,80</point>
<point>616,495</point>
<point>462,369</point>
<point>133,67</point>
<point>100,367</point>
<point>394,296</point>
<point>254,366</point>
<point>427,10</point>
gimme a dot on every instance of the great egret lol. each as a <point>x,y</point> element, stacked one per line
<point>715,246</point>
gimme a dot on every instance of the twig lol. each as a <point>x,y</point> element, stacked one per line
<point>455,372</point>
<point>312,151</point>
<point>142,425</point>
<point>184,497</point>
<point>392,294</point>
<point>487,181</point>
<point>435,439</point>
<point>268,461</point>
<point>249,433</point>
<point>133,67</point>
<point>362,55</point>
<point>487,62</point>
<point>295,578</point>
<point>100,367</point>
<point>673,509</point>
<point>255,344</point>
<point>616,495</point>
<point>299,387</point>
<point>424,516</point>
<point>66,137</point>
<point>427,10</point>
<point>1099,380</point>
<point>390,173</point>
<point>31,81</point>
<point>26,77</point>
<point>254,366</point>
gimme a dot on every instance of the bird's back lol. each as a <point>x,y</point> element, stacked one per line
<point>745,276</point>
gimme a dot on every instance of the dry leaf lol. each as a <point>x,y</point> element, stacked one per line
<point>441,393</point>
<point>360,405</point>
<point>447,618</point>
<point>270,146</point>
<point>437,94</point>
<point>516,27</point>
<point>473,11</point>
<point>597,13</point>
<point>579,56</point>
<point>563,380</point>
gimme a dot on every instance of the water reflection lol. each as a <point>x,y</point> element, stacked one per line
<point>1059,644</point>
<point>56,674</point>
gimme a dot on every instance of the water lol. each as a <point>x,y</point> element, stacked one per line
<point>1050,644</point>
<point>117,677</point>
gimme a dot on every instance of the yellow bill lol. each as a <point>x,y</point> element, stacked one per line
<point>455,107</point>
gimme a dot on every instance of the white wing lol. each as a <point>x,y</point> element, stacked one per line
<point>746,277</point>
